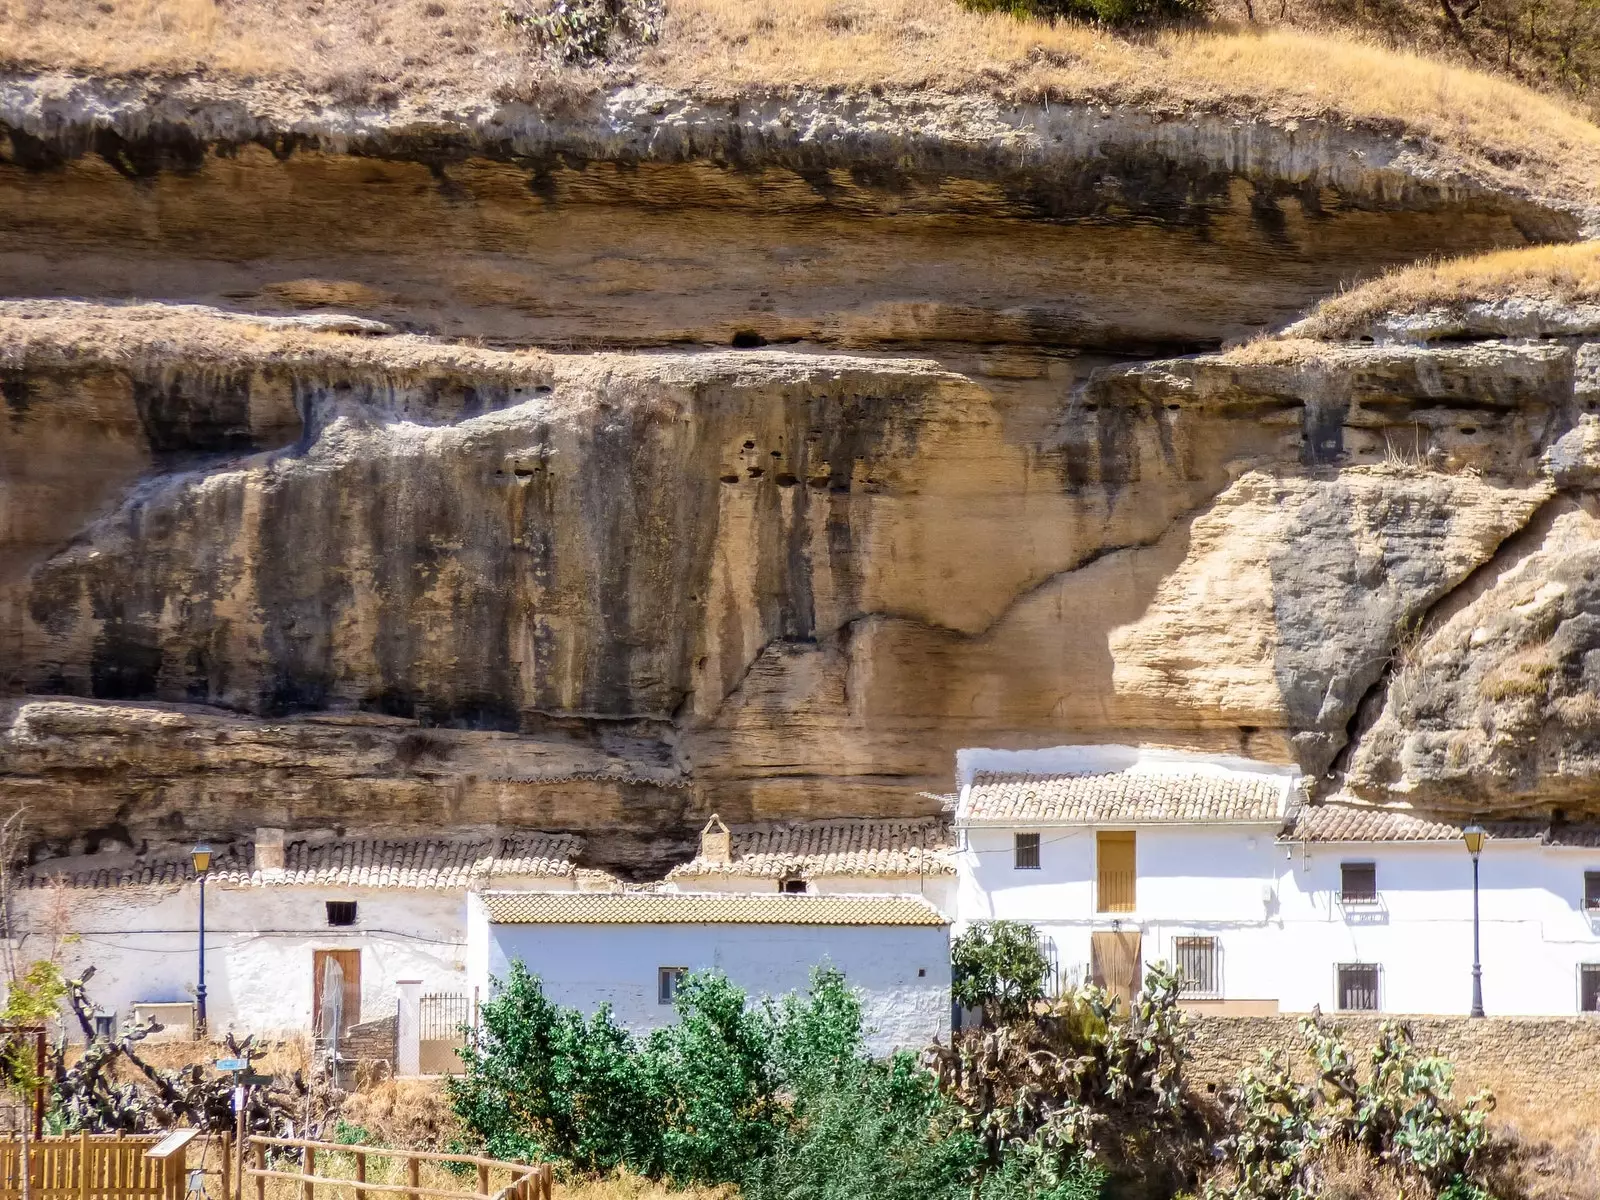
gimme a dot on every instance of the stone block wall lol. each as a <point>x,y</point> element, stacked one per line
<point>1530,1063</point>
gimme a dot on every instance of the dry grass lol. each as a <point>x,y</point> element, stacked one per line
<point>444,52</point>
<point>404,1112</point>
<point>1564,274</point>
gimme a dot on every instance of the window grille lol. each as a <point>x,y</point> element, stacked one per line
<point>1358,987</point>
<point>1358,883</point>
<point>1027,852</point>
<point>1591,890</point>
<point>1589,987</point>
<point>1199,963</point>
<point>341,912</point>
<point>667,981</point>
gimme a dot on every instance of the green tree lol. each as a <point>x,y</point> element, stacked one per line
<point>999,965</point>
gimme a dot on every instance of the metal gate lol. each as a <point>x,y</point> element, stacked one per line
<point>443,1019</point>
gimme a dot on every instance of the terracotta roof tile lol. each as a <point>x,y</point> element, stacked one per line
<point>818,849</point>
<point>690,908</point>
<point>1334,822</point>
<point>1125,797</point>
<point>420,863</point>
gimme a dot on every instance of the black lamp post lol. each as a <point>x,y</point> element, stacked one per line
<point>1473,836</point>
<point>200,856</point>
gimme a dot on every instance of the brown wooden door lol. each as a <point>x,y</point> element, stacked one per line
<point>1117,874</point>
<point>1114,963</point>
<point>349,965</point>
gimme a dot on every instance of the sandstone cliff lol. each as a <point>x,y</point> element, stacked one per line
<point>999,485</point>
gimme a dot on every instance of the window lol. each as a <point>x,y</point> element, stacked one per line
<point>1591,890</point>
<point>1358,883</point>
<point>667,981</point>
<point>1358,987</point>
<point>1589,987</point>
<point>341,912</point>
<point>1117,857</point>
<point>794,887</point>
<point>1027,852</point>
<point>105,1025</point>
<point>1199,963</point>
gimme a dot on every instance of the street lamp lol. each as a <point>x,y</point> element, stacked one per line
<point>200,856</point>
<point>1473,836</point>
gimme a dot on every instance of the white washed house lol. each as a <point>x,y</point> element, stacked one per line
<point>1122,856</point>
<point>630,949</point>
<point>277,911</point>
<point>1377,913</point>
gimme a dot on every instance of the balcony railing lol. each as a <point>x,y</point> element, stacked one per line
<point>1116,892</point>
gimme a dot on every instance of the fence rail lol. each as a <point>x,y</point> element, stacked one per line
<point>528,1182</point>
<point>91,1167</point>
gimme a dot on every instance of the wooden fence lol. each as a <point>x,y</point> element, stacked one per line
<point>92,1167</point>
<point>527,1182</point>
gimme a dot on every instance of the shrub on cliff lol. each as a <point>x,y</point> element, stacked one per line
<point>1105,12</point>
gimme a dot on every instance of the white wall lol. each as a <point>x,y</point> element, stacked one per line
<point>1535,931</point>
<point>1274,908</point>
<point>259,945</point>
<point>1218,881</point>
<point>1088,759</point>
<point>583,966</point>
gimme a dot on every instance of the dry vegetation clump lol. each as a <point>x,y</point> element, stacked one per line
<point>1562,274</point>
<point>451,53</point>
<point>413,1113</point>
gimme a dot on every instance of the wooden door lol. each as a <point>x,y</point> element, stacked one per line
<point>348,964</point>
<point>1114,963</point>
<point>1117,874</point>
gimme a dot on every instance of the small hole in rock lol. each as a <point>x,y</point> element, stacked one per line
<point>749,445</point>
<point>747,339</point>
<point>756,472</point>
<point>729,478</point>
<point>1091,408</point>
<point>787,480</point>
<point>543,389</point>
<point>522,472</point>
<point>777,454</point>
<point>1174,407</point>
<point>1469,430</point>
<point>819,482</point>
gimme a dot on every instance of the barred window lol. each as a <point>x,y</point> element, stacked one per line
<point>1591,890</point>
<point>1199,963</point>
<point>1358,987</point>
<point>1358,882</point>
<point>341,912</point>
<point>1027,852</point>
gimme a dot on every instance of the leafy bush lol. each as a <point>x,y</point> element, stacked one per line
<point>1402,1114</point>
<point>999,966</point>
<point>585,31</point>
<point>1106,12</point>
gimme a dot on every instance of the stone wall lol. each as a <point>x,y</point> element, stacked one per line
<point>1530,1063</point>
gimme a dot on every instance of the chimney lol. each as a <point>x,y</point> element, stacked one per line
<point>716,845</point>
<point>269,849</point>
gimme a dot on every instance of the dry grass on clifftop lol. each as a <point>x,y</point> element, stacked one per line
<point>1562,274</point>
<point>434,54</point>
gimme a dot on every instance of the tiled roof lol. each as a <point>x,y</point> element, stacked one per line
<point>817,849</point>
<point>421,863</point>
<point>1333,822</point>
<point>1125,798</point>
<point>690,908</point>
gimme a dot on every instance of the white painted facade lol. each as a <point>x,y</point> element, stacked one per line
<point>260,946</point>
<point>1535,930</point>
<point>1273,902</point>
<point>902,972</point>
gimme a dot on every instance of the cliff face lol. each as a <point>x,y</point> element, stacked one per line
<point>253,571</point>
